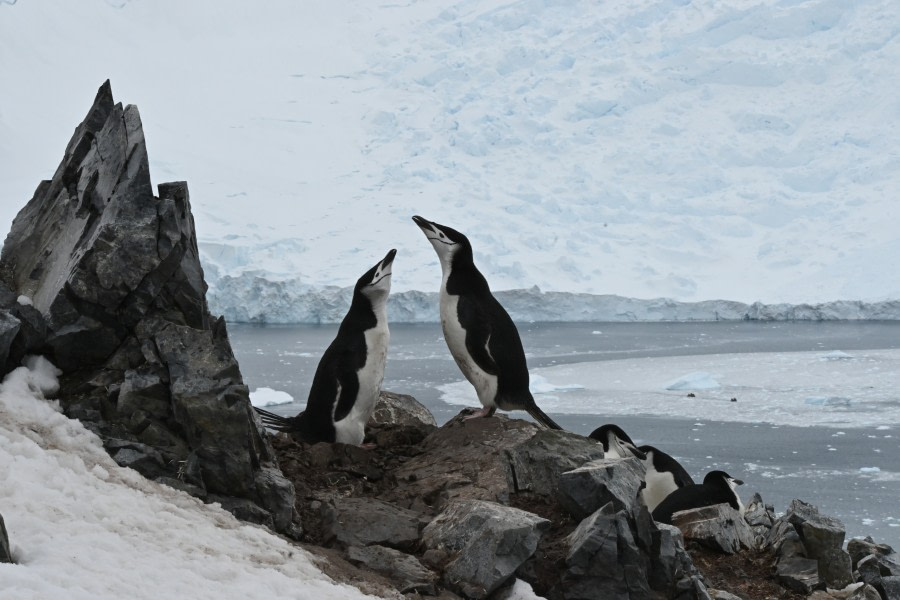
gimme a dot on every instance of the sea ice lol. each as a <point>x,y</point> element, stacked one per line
<point>698,380</point>
<point>265,396</point>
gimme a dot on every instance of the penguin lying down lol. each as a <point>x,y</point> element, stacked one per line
<point>349,376</point>
<point>718,487</point>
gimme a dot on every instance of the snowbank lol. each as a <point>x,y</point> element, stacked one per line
<point>83,528</point>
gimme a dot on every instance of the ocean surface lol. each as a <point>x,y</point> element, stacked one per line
<point>836,444</point>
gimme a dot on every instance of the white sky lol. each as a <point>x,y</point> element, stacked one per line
<point>742,150</point>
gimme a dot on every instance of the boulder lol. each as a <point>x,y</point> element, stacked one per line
<point>823,539</point>
<point>889,587</point>
<point>400,410</point>
<point>798,574</point>
<point>604,561</point>
<point>538,463</point>
<point>118,303</point>
<point>5,551</point>
<point>887,560</point>
<point>361,522</point>
<point>484,543</point>
<point>405,571</point>
<point>719,527</point>
<point>584,490</point>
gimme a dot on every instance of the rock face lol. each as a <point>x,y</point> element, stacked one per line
<point>119,305</point>
<point>5,552</point>
<point>719,527</point>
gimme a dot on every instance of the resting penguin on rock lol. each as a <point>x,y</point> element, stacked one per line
<point>663,476</point>
<point>481,335</point>
<point>349,376</point>
<point>718,487</point>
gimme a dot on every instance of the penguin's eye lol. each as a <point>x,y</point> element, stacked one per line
<point>440,234</point>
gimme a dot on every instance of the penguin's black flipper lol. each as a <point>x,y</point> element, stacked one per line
<point>540,416</point>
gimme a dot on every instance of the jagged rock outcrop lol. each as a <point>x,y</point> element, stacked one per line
<point>117,301</point>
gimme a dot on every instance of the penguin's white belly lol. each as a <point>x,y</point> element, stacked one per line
<point>352,428</point>
<point>485,384</point>
<point>658,486</point>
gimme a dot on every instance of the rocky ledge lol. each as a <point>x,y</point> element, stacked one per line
<point>463,509</point>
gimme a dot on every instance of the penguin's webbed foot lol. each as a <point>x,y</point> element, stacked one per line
<point>484,412</point>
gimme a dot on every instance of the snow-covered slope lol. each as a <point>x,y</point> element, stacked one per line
<point>740,150</point>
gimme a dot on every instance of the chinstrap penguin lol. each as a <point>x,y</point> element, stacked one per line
<point>718,487</point>
<point>616,443</point>
<point>350,373</point>
<point>481,335</point>
<point>663,476</point>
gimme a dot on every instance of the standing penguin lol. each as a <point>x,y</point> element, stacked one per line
<point>718,487</point>
<point>349,376</point>
<point>481,335</point>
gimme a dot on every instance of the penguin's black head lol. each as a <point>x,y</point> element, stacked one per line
<point>718,477</point>
<point>616,442</point>
<point>447,241</point>
<point>376,282</point>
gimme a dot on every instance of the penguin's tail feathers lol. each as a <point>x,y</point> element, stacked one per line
<point>273,421</point>
<point>541,417</point>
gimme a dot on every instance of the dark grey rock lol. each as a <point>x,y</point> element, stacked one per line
<point>719,527</point>
<point>798,574</point>
<point>366,521</point>
<point>835,568</point>
<point>9,329</point>
<point>244,509</point>
<point>486,543</point>
<point>671,566</point>
<point>603,560</point>
<point>140,457</point>
<point>145,389</point>
<point>864,592</point>
<point>584,490</point>
<point>405,571</point>
<point>538,463</point>
<point>888,561</point>
<point>5,551</point>
<point>819,533</point>
<point>823,539</point>
<point>889,587</point>
<point>32,334</point>
<point>757,513</point>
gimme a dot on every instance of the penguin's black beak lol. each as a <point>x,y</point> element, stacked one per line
<point>389,258</point>
<point>738,481</point>
<point>423,223</point>
<point>640,454</point>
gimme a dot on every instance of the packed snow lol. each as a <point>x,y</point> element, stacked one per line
<point>797,388</point>
<point>266,396</point>
<point>739,150</point>
<point>81,527</point>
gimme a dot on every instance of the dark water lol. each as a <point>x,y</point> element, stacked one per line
<point>781,462</point>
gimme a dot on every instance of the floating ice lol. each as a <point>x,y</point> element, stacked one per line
<point>837,355</point>
<point>827,401</point>
<point>540,385</point>
<point>698,380</point>
<point>869,470</point>
<point>265,396</point>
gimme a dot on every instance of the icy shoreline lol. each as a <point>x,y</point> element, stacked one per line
<point>254,299</point>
